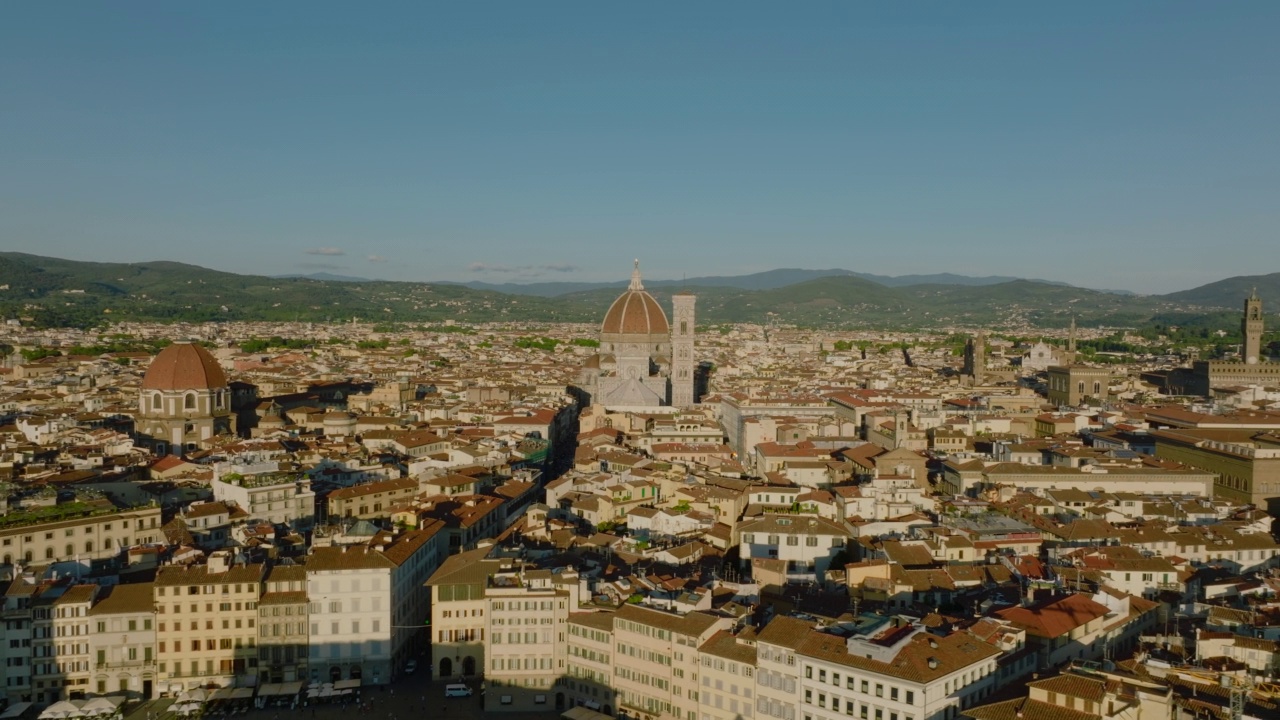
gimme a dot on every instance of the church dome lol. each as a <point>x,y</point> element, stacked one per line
<point>184,366</point>
<point>635,312</point>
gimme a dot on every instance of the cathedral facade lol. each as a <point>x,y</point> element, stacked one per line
<point>643,360</point>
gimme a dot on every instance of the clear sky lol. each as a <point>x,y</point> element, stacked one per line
<point>1106,144</point>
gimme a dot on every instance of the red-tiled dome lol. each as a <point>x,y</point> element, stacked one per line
<point>184,366</point>
<point>635,312</point>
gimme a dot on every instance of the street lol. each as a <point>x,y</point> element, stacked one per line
<point>408,698</point>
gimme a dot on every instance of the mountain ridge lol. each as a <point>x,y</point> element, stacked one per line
<point>53,291</point>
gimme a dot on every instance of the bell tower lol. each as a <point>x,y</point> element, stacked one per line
<point>682,360</point>
<point>1251,328</point>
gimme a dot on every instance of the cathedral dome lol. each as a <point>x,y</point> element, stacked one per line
<point>184,366</point>
<point>635,312</point>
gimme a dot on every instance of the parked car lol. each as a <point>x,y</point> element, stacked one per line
<point>457,690</point>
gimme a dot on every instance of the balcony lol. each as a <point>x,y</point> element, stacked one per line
<point>119,664</point>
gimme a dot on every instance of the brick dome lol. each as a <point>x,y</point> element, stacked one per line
<point>184,366</point>
<point>635,312</point>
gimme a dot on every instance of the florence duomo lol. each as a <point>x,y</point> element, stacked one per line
<point>644,360</point>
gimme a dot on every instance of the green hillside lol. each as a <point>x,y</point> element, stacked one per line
<point>1230,293</point>
<point>56,292</point>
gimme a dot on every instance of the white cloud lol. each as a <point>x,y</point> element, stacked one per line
<point>326,251</point>
<point>376,259</point>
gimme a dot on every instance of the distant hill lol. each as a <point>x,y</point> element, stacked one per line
<point>326,276</point>
<point>57,292</point>
<point>767,280</point>
<point>1231,292</point>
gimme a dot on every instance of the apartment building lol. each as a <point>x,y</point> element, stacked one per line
<point>15,652</point>
<point>526,623</point>
<point>277,498</point>
<point>206,623</point>
<point>805,544</point>
<point>69,666</point>
<point>368,604</point>
<point>655,660</point>
<point>122,641</point>
<point>370,500</point>
<point>726,672</point>
<point>283,625</point>
<point>77,531</point>
<point>458,619</point>
<point>588,679</point>
<point>778,667</point>
<point>884,668</point>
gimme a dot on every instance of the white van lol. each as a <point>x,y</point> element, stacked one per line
<point>457,690</point>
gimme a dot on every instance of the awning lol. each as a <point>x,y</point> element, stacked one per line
<point>584,713</point>
<point>345,684</point>
<point>15,710</point>
<point>288,688</point>
<point>291,688</point>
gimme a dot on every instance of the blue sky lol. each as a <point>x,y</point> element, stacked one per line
<point>556,141</point>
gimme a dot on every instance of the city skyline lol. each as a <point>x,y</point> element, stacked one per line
<point>431,144</point>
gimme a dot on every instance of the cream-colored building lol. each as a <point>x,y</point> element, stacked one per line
<point>370,500</point>
<point>278,498</point>
<point>588,677</point>
<point>655,663</point>
<point>206,623</point>
<point>458,617</point>
<point>778,667</point>
<point>89,531</point>
<point>726,670</point>
<point>71,640</point>
<point>368,604</point>
<point>888,667</point>
<point>283,625</point>
<point>123,641</point>
<point>526,622</point>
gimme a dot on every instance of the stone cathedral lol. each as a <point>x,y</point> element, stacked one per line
<point>643,360</point>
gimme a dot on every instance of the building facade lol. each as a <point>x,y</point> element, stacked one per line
<point>123,641</point>
<point>206,623</point>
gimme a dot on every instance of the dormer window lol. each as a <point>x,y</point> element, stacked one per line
<point>189,401</point>
<point>155,401</point>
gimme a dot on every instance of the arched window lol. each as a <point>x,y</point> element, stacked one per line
<point>155,401</point>
<point>71,550</point>
<point>48,553</point>
<point>88,546</point>
<point>189,402</point>
<point>107,543</point>
<point>26,556</point>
